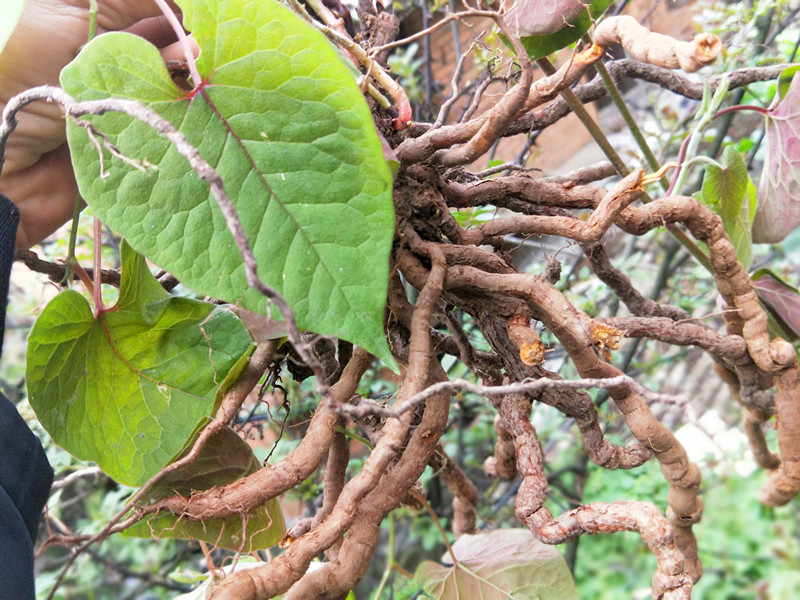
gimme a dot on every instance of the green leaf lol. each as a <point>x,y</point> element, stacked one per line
<point>11,11</point>
<point>224,458</point>
<point>504,564</point>
<point>785,80</point>
<point>127,389</point>
<point>538,46</point>
<point>282,120</point>
<point>732,195</point>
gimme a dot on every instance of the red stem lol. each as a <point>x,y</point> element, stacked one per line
<point>97,295</point>
<point>738,107</point>
<point>183,39</point>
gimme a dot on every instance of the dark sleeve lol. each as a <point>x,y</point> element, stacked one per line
<point>9,219</point>
<point>25,473</point>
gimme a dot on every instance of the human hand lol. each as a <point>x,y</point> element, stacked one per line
<point>37,175</point>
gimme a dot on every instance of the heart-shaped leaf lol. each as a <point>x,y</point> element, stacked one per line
<point>779,189</point>
<point>569,26</point>
<point>500,565</point>
<point>282,120</point>
<point>533,17</point>
<point>224,458</point>
<point>731,194</point>
<point>782,301</point>
<point>127,389</point>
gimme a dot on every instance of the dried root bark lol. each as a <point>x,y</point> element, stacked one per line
<point>669,581</point>
<point>571,327</point>
<point>465,494</point>
<point>655,48</point>
<point>744,317</point>
<point>249,492</point>
<point>504,462</point>
<point>395,462</point>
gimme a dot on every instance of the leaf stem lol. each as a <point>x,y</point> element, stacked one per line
<point>438,524</point>
<point>92,20</point>
<point>702,159</point>
<point>353,436</point>
<point>579,109</point>
<point>594,129</point>
<point>71,260</point>
<point>97,294</point>
<point>738,107</point>
<point>692,141</point>
<point>184,41</point>
<point>389,558</point>
<point>633,126</point>
<point>83,276</point>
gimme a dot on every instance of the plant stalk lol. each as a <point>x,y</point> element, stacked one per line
<point>594,129</point>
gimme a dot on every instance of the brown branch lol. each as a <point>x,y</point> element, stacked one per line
<point>632,69</point>
<point>622,286</point>
<point>742,384</point>
<point>504,462</point>
<point>752,420</point>
<point>571,327</point>
<point>566,397</point>
<point>613,202</point>
<point>496,120</point>
<point>744,315</point>
<point>243,495</point>
<point>690,88</point>
<point>539,192</point>
<point>730,348</point>
<point>335,474</point>
<point>465,494</point>
<point>579,407</point>
<point>585,175</point>
<point>784,483</point>
<point>336,578</point>
<point>58,272</point>
<point>282,572</point>
<point>417,149</point>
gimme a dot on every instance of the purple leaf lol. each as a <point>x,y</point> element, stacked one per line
<point>778,209</point>
<point>499,565</point>
<point>534,17</point>
<point>782,301</point>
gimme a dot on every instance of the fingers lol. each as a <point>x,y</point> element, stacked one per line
<point>155,30</point>
<point>158,32</point>
<point>45,195</point>
<point>48,36</point>
<point>175,51</point>
<point>38,174</point>
<point>118,15</point>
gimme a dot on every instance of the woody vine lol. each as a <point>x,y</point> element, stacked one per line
<point>312,230</point>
